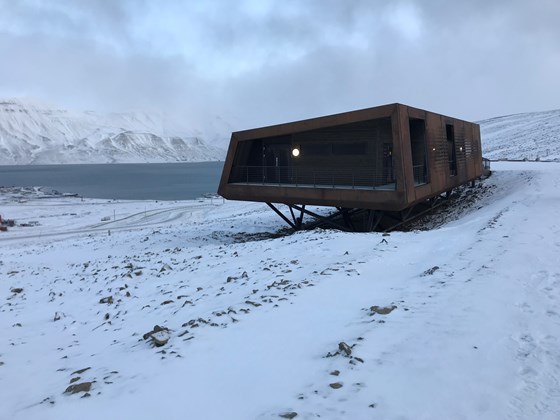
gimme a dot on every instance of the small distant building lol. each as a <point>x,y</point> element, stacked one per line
<point>379,160</point>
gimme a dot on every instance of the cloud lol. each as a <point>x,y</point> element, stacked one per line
<point>267,61</point>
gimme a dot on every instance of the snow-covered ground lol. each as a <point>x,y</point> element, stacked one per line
<point>459,322</point>
<point>530,136</point>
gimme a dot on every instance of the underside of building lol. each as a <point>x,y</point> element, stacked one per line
<point>369,164</point>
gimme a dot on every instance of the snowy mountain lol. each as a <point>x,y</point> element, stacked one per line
<point>35,133</point>
<point>32,133</point>
<point>531,136</point>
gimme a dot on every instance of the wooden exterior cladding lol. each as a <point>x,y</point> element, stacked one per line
<point>385,158</point>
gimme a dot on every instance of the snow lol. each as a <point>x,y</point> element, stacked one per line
<point>528,136</point>
<point>35,133</point>
<point>255,320</point>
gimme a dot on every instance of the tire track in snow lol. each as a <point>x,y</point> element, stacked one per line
<point>135,221</point>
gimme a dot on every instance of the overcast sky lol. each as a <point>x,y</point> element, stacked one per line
<point>258,62</point>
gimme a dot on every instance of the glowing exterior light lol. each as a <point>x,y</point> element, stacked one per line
<point>295,152</point>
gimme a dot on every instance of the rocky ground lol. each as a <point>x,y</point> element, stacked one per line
<point>211,311</point>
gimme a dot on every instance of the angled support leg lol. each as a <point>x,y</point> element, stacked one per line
<point>327,220</point>
<point>288,221</point>
<point>300,218</point>
<point>374,217</point>
<point>347,220</point>
<point>292,213</point>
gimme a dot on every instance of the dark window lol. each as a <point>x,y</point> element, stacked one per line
<point>354,148</point>
<point>451,154</point>
<point>418,148</point>
<point>315,149</point>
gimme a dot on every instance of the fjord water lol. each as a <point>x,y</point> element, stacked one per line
<point>130,181</point>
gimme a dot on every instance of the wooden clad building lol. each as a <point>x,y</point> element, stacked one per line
<point>386,158</point>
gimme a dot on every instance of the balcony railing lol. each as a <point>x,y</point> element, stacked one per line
<point>352,178</point>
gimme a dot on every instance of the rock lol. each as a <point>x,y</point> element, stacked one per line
<point>77,378</point>
<point>81,387</point>
<point>335,385</point>
<point>138,273</point>
<point>430,271</point>
<point>167,302</point>
<point>79,372</point>
<point>108,300</point>
<point>160,338</point>
<point>16,289</point>
<point>288,415</point>
<point>335,373</point>
<point>159,335</point>
<point>382,310</point>
<point>165,267</point>
<point>342,346</point>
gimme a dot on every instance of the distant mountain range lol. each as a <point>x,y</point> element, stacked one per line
<point>531,136</point>
<point>31,133</point>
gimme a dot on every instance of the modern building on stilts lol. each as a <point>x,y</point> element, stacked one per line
<point>376,167</point>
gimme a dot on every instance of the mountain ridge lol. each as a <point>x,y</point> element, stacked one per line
<point>34,133</point>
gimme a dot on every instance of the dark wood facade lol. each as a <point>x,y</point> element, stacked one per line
<point>385,158</point>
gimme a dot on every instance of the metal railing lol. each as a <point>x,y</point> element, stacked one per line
<point>361,178</point>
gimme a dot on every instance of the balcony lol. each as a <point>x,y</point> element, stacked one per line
<point>334,178</point>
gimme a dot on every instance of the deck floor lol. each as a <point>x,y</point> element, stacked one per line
<point>386,187</point>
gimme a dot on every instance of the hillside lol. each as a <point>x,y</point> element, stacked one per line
<point>531,136</point>
<point>32,133</point>
<point>458,322</point>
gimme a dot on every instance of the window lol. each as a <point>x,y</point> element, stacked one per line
<point>418,149</point>
<point>354,148</point>
<point>451,154</point>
